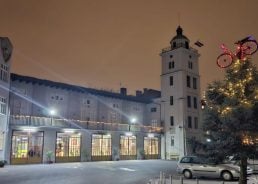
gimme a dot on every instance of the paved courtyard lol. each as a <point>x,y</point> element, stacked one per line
<point>110,172</point>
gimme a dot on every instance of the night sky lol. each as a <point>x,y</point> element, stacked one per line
<point>105,43</point>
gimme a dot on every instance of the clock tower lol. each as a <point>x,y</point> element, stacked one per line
<point>180,96</point>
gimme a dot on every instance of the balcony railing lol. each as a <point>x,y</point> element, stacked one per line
<point>167,49</point>
<point>19,120</point>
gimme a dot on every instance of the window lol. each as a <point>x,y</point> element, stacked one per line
<point>195,122</point>
<point>101,145</point>
<point>171,56</point>
<point>190,64</point>
<point>27,147</point>
<point>4,72</point>
<point>194,83</point>
<point>171,100</point>
<point>1,141</point>
<point>171,64</point>
<point>187,45</point>
<point>68,145</point>
<point>171,81</point>
<point>2,105</point>
<point>115,105</point>
<point>127,145</point>
<point>186,160</point>
<point>188,81</point>
<point>172,141</point>
<point>189,122</point>
<point>153,109</point>
<point>88,101</point>
<point>151,145</point>
<point>171,120</point>
<point>174,44</point>
<point>195,102</point>
<point>189,101</point>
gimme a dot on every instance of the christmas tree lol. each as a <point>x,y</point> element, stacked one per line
<point>230,116</point>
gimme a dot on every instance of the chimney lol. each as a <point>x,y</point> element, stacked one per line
<point>138,93</point>
<point>123,91</point>
<point>145,91</point>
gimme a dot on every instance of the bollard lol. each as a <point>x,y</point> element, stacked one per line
<point>160,177</point>
<point>223,182</point>
<point>181,180</point>
<point>197,181</point>
<point>170,179</point>
<point>163,179</point>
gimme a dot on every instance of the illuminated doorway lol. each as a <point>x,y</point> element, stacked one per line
<point>68,147</point>
<point>27,147</point>
<point>101,147</point>
<point>128,147</point>
<point>151,147</point>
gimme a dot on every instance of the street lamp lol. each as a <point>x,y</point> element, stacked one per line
<point>183,124</point>
<point>132,121</point>
<point>52,112</point>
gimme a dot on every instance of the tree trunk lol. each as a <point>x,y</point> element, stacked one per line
<point>243,166</point>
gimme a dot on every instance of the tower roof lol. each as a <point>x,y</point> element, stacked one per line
<point>179,40</point>
<point>179,34</point>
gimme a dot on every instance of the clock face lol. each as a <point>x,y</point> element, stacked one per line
<point>6,48</point>
<point>6,54</point>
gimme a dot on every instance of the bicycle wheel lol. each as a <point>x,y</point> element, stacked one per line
<point>249,47</point>
<point>224,60</point>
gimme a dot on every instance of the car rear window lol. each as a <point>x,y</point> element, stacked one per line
<point>186,160</point>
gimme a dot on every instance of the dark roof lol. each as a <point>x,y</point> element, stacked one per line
<point>33,80</point>
<point>179,34</point>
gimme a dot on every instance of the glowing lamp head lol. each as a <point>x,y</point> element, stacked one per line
<point>133,120</point>
<point>52,112</point>
<point>208,140</point>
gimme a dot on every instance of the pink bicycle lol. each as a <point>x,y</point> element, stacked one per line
<point>245,47</point>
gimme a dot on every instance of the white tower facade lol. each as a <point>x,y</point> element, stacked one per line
<point>180,97</point>
<point>5,65</point>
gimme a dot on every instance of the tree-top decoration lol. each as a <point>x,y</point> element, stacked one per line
<point>230,119</point>
<point>244,48</point>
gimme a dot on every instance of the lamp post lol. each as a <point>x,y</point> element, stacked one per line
<point>183,125</point>
<point>52,112</point>
<point>132,121</point>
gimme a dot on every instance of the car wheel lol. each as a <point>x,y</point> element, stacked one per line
<point>187,174</point>
<point>226,175</point>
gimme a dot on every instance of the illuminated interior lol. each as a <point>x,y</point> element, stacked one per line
<point>127,145</point>
<point>101,145</point>
<point>27,146</point>
<point>68,145</point>
<point>151,145</point>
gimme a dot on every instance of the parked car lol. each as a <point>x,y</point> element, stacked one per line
<point>193,166</point>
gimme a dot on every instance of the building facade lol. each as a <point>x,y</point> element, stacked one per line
<point>56,122</point>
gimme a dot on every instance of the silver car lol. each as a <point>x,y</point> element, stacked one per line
<point>192,166</point>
